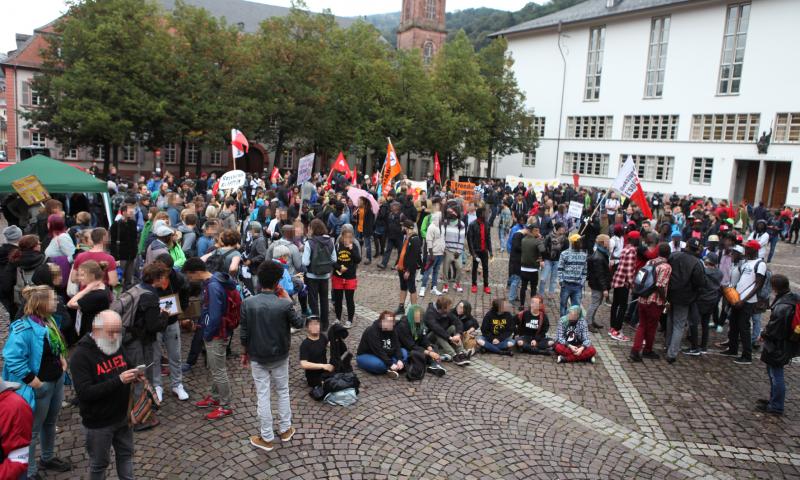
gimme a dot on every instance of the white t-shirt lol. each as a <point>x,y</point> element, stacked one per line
<point>763,239</point>
<point>612,204</point>
<point>747,277</point>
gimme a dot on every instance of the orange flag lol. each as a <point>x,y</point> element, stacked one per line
<point>391,168</point>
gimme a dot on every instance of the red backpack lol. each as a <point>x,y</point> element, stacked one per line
<point>233,310</point>
<point>794,333</point>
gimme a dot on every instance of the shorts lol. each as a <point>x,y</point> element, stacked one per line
<point>409,285</point>
<point>339,283</point>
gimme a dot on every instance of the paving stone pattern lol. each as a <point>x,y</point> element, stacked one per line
<point>521,417</point>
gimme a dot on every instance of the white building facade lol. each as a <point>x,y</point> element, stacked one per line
<point>686,88</point>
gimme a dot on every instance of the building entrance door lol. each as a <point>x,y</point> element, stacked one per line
<point>771,190</point>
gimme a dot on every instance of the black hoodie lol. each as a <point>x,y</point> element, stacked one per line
<point>102,397</point>
<point>438,323</point>
<point>383,345</point>
<point>498,326</point>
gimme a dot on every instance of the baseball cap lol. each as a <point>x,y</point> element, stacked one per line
<point>711,257</point>
<point>752,244</point>
<point>713,238</point>
<point>634,234</point>
<point>693,243</point>
<point>162,231</point>
<point>738,248</point>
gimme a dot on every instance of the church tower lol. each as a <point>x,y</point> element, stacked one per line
<point>422,26</point>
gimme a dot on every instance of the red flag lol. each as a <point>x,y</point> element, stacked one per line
<point>275,175</point>
<point>215,188</point>
<point>627,183</point>
<point>355,175</point>
<point>375,179</point>
<point>437,169</point>
<point>239,143</point>
<point>576,179</point>
<point>340,165</point>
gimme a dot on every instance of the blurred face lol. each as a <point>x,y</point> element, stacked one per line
<point>51,302</point>
<point>387,323</point>
<point>535,304</point>
<point>460,309</point>
<point>129,211</point>
<point>313,329</point>
<point>417,316</point>
<point>573,315</point>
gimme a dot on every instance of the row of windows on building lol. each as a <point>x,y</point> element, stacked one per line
<point>731,62</point>
<point>716,127</point>
<point>651,168</point>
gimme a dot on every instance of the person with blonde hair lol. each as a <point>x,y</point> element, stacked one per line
<point>93,298</point>
<point>34,355</point>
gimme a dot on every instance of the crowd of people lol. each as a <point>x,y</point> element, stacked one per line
<point>101,308</point>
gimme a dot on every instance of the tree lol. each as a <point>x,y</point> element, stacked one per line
<point>509,126</point>
<point>102,77</point>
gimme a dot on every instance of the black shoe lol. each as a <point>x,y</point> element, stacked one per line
<point>764,408</point>
<point>381,266</point>
<point>729,353</point>
<point>635,357</point>
<point>756,347</point>
<point>651,355</point>
<point>671,360</point>
<point>55,464</point>
<point>436,369</point>
<point>762,401</point>
<point>401,310</point>
<point>508,353</point>
<point>461,360</point>
<point>743,361</point>
<point>367,262</point>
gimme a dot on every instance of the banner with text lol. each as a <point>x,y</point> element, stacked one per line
<point>304,168</point>
<point>538,184</point>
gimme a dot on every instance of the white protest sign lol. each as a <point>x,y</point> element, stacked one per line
<point>232,180</point>
<point>575,210</point>
<point>304,168</point>
<point>417,186</point>
<point>538,185</point>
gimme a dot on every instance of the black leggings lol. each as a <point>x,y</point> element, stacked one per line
<point>484,258</point>
<point>528,277</point>
<point>351,303</point>
<point>619,305</point>
<point>318,299</point>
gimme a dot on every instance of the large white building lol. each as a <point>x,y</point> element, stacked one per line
<point>685,87</point>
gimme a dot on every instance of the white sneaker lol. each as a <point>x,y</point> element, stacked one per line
<point>159,393</point>
<point>435,291</point>
<point>421,292</point>
<point>180,392</point>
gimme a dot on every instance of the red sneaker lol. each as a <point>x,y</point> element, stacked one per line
<point>445,288</point>
<point>219,412</point>
<point>474,289</point>
<point>207,402</point>
<point>487,290</point>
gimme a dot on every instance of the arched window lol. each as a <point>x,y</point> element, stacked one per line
<point>427,52</point>
<point>430,10</point>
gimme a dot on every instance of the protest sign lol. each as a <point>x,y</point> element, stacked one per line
<point>304,168</point>
<point>232,180</point>
<point>30,189</point>
<point>575,210</point>
<point>537,184</point>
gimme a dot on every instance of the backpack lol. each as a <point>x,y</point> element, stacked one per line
<point>644,283</point>
<point>126,306</point>
<point>794,332</point>
<point>766,289</point>
<point>24,279</point>
<point>342,398</point>
<point>321,251</point>
<point>416,366</point>
<point>233,310</point>
<point>553,247</point>
<point>216,262</point>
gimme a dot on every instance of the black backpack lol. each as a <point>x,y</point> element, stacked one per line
<point>415,370</point>
<point>644,283</point>
<point>216,262</point>
<point>321,251</point>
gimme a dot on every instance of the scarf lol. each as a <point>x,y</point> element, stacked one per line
<point>401,260</point>
<point>54,338</point>
<point>362,212</point>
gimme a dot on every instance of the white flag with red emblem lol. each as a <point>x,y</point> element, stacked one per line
<point>627,183</point>
<point>239,143</point>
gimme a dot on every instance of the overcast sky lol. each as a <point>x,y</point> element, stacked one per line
<point>22,16</point>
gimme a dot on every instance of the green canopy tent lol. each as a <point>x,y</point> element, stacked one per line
<point>56,177</point>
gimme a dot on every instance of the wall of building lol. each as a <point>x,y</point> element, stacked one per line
<point>692,69</point>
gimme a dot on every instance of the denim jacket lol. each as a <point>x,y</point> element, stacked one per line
<point>22,354</point>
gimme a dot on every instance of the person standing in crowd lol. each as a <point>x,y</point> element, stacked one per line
<point>651,306</point>
<point>515,262</point>
<point>102,379</point>
<point>686,280</point>
<point>393,233</point>
<point>504,225</point>
<point>760,234</point>
<point>12,235</point>
<point>123,234</point>
<point>621,282</point>
<point>778,349</point>
<point>228,216</point>
<point>479,241</point>
<point>707,302</point>
<point>572,338</point>
<point>364,219</point>
<point>16,422</point>
<point>532,248</point>
<point>265,332</point>
<point>93,298</point>
<point>319,258</point>
<point>99,254</point>
<point>752,273</point>
<point>34,355</point>
<point>379,350</point>
<point>554,243</point>
<point>178,288</point>
<point>344,281</point>
<point>218,291</point>
<point>408,263</point>
<point>572,273</point>
<point>599,276</point>
<point>434,239</point>
<point>454,236</point>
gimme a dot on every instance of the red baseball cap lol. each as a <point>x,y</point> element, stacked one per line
<point>637,235</point>
<point>752,244</point>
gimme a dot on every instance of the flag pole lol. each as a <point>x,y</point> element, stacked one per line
<point>233,154</point>
<point>600,202</point>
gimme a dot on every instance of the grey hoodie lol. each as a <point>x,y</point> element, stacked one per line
<point>188,239</point>
<point>296,261</point>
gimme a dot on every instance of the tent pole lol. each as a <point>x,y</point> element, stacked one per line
<point>107,204</point>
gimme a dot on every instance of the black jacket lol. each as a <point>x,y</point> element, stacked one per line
<point>394,228</point>
<point>474,237</point>
<point>515,255</point>
<point>369,220</point>
<point>598,271</point>
<point>499,326</point>
<point>148,321</point>
<point>405,337</point>
<point>688,278</point>
<point>102,397</point>
<point>265,325</point>
<point>379,343</point>
<point>123,239</point>
<point>8,273</point>
<point>777,349</point>
<point>382,218</point>
<point>177,285</point>
<point>411,261</point>
<point>438,323</point>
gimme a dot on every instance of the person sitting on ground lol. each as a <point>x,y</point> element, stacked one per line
<point>313,353</point>
<point>532,329</point>
<point>572,338</point>
<point>413,336</point>
<point>497,329</point>
<point>379,351</point>
<point>462,313</point>
<point>445,332</point>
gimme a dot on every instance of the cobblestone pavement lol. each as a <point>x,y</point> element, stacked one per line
<point>520,417</point>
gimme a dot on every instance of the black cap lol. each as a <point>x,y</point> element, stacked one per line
<point>693,244</point>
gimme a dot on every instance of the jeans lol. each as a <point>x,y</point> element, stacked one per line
<point>513,287</point>
<point>503,235</point>
<point>677,320</point>
<point>98,446</point>
<point>594,304</point>
<point>263,376</point>
<point>756,326</point>
<point>452,259</point>
<point>373,364</point>
<point>484,258</point>
<point>171,338</point>
<point>548,277</point>
<point>338,296</point>
<point>366,243</point>
<point>703,319</point>
<point>443,345</point>
<point>220,388</point>
<point>777,389</point>
<point>570,291</point>
<point>48,405</point>
<point>196,347</point>
<point>128,269</point>
<point>739,330</point>
<point>318,297</point>
<point>528,278</point>
<point>618,306</point>
<point>773,241</point>
<point>140,352</point>
<point>500,347</point>
<point>391,243</point>
<point>433,270</point>
<point>649,316</point>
